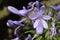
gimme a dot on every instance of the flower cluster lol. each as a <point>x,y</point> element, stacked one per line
<point>38,19</point>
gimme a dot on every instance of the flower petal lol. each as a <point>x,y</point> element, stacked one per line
<point>33,21</point>
<point>58,16</point>
<point>59,31</point>
<point>36,10</point>
<point>46,17</point>
<point>23,12</point>
<point>53,30</point>
<point>33,16</point>
<point>36,23</point>
<point>22,20</point>
<point>49,13</point>
<point>17,23</point>
<point>39,28</point>
<point>15,31</point>
<point>56,8</point>
<point>24,8</point>
<point>37,4</point>
<point>12,9</point>
<point>42,9</point>
<point>10,23</point>
<point>44,23</point>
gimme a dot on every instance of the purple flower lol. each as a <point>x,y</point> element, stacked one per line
<point>53,28</point>
<point>29,37</point>
<point>11,23</point>
<point>59,31</point>
<point>39,19</point>
<point>37,4</point>
<point>58,16</point>
<point>38,13</point>
<point>39,27</point>
<point>22,12</point>
<point>56,8</point>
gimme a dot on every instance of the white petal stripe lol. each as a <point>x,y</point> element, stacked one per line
<point>36,23</point>
<point>44,23</point>
<point>46,17</point>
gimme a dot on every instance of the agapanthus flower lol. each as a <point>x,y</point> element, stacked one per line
<point>22,12</point>
<point>11,23</point>
<point>56,8</point>
<point>53,28</point>
<point>37,4</point>
<point>31,4</point>
<point>59,31</point>
<point>58,16</point>
<point>29,37</point>
<point>39,19</point>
